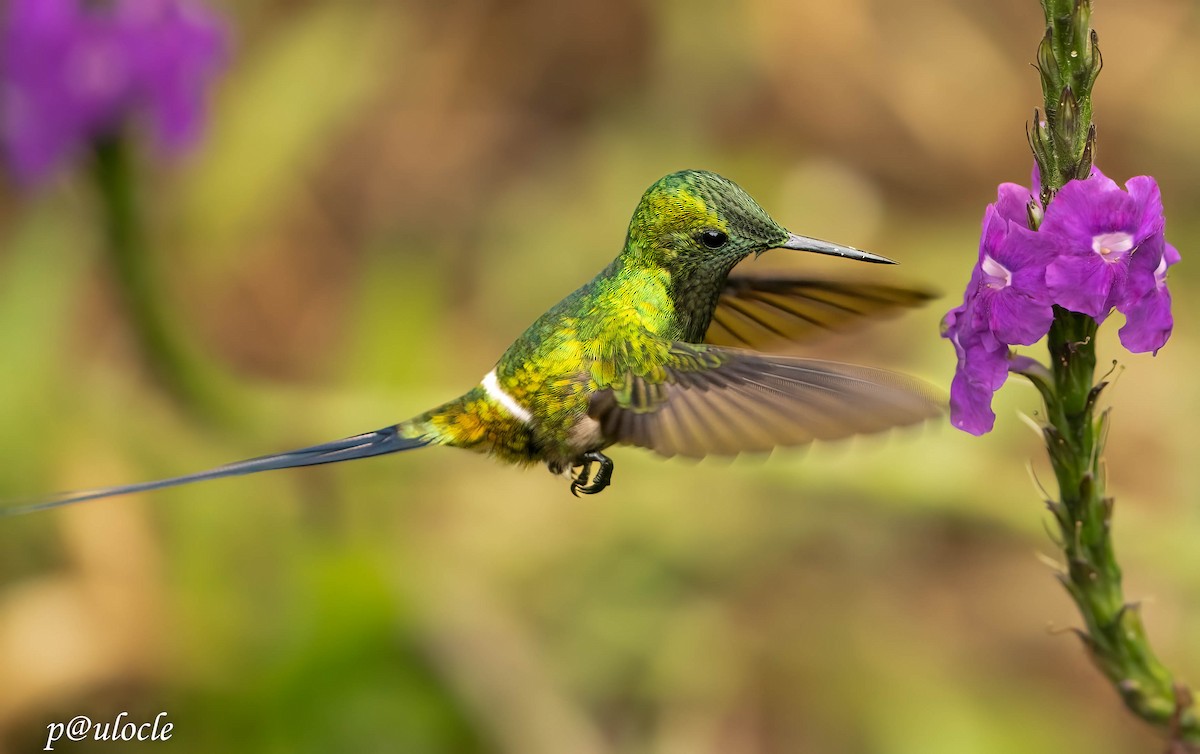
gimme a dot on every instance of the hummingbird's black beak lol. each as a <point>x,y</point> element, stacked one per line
<point>804,243</point>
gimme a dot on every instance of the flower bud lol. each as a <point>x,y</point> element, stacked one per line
<point>1046,64</point>
<point>1040,142</point>
<point>1081,24</point>
<point>1067,118</point>
<point>1034,213</point>
<point>1084,169</point>
<point>1097,60</point>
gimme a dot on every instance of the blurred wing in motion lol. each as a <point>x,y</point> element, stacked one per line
<point>387,440</point>
<point>764,313</point>
<point>719,401</point>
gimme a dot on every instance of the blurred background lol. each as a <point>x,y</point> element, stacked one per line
<point>384,196</point>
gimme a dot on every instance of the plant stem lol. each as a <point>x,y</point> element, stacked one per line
<point>1063,144</point>
<point>175,365</point>
<point>1113,632</point>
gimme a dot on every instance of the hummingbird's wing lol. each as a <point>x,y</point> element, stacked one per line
<point>722,401</point>
<point>764,312</point>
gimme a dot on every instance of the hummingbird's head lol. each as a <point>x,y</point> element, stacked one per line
<point>695,218</point>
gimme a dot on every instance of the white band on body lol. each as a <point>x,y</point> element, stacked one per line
<point>491,386</point>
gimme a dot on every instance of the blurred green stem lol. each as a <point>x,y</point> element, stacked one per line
<point>1063,144</point>
<point>176,366</point>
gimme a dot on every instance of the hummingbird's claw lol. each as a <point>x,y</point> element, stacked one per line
<point>580,481</point>
<point>602,479</point>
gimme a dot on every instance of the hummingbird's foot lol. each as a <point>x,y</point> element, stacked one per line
<point>602,479</point>
<point>580,480</point>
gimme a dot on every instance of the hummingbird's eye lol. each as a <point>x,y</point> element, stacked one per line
<point>713,239</point>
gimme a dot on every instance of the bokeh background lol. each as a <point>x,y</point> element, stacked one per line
<point>387,193</point>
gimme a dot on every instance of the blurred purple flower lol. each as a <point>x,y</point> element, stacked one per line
<point>72,71</point>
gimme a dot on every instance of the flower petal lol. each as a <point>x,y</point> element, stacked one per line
<point>1083,284</point>
<point>1011,200</point>
<point>1146,195</point>
<point>1148,323</point>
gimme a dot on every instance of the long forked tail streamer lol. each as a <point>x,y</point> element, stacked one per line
<point>379,442</point>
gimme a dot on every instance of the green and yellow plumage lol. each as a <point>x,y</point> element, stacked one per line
<point>662,349</point>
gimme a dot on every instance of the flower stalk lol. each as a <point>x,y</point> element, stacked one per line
<point>1113,633</point>
<point>176,366</point>
<point>1056,261</point>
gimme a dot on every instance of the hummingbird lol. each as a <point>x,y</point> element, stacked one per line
<point>664,349</point>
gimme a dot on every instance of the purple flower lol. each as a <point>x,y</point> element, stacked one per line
<point>1098,247</point>
<point>1009,301</point>
<point>176,45</point>
<point>1006,303</point>
<point>1099,229</point>
<point>72,71</point>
